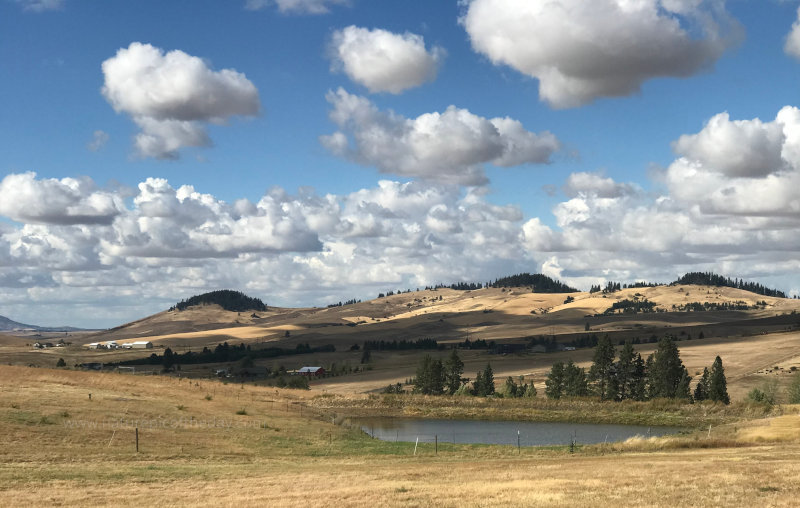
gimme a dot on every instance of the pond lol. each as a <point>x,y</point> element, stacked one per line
<point>503,432</point>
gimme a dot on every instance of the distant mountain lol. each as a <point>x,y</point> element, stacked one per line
<point>7,325</point>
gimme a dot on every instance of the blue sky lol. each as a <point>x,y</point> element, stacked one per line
<point>586,182</point>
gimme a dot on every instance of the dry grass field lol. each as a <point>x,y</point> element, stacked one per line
<point>206,443</point>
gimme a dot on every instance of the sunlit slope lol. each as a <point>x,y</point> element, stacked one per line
<point>491,313</point>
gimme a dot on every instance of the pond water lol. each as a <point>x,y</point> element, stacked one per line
<point>503,432</point>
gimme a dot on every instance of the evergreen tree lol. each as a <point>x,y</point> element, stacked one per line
<point>488,380</point>
<point>682,391</point>
<point>478,386</point>
<point>701,390</point>
<point>554,384</point>
<point>430,377</point>
<point>638,386</point>
<point>626,371</point>
<point>601,374</point>
<point>169,359</point>
<point>717,384</point>
<point>575,382</point>
<point>61,363</point>
<point>666,370</point>
<point>453,368</point>
<point>510,388</point>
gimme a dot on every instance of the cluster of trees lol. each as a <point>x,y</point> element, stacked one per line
<point>712,279</point>
<point>234,301</point>
<point>348,302</point>
<point>225,353</point>
<point>634,306</point>
<point>513,390</point>
<point>539,283</point>
<point>466,286</point>
<point>612,287</point>
<point>476,344</point>
<point>662,375</point>
<point>710,306</point>
<point>402,345</point>
<point>435,377</point>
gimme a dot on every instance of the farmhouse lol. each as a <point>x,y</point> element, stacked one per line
<point>311,371</point>
<point>96,345</point>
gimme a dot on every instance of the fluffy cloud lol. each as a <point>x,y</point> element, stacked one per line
<point>792,46</point>
<point>171,96</point>
<point>295,6</point>
<point>747,148</point>
<point>384,61</point>
<point>448,147</point>
<point>168,243</point>
<point>25,199</point>
<point>727,210</point>
<point>581,50</point>
<point>41,5</point>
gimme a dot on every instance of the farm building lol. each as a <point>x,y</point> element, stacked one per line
<point>96,345</point>
<point>311,371</point>
<point>142,344</point>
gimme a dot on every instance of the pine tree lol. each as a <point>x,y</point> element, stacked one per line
<point>717,384</point>
<point>701,390</point>
<point>683,391</point>
<point>626,371</point>
<point>488,380</point>
<point>554,385</point>
<point>575,382</point>
<point>510,388</point>
<point>453,368</point>
<point>666,370</point>
<point>430,377</point>
<point>602,371</point>
<point>478,386</point>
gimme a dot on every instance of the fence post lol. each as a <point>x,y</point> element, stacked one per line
<point>436,446</point>
<point>137,439</point>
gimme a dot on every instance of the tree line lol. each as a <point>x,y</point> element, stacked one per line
<point>662,375</point>
<point>233,301</point>
<point>712,279</point>
<point>225,353</point>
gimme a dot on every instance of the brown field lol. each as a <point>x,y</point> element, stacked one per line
<point>205,443</point>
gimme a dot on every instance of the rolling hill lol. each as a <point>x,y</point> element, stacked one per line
<point>499,314</point>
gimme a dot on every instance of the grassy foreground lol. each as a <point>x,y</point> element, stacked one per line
<point>204,443</point>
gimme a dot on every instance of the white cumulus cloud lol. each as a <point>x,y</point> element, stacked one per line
<point>295,6</point>
<point>171,96</point>
<point>792,45</point>
<point>41,5</point>
<point>582,50</point>
<point>384,61</point>
<point>448,147</point>
<point>24,198</point>
<point>747,148</point>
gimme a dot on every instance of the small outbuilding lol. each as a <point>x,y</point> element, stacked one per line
<point>311,371</point>
<point>142,344</point>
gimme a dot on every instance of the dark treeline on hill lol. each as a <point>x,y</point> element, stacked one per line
<point>340,304</point>
<point>540,283</point>
<point>233,301</point>
<point>712,279</point>
<point>402,345</point>
<point>613,287</point>
<point>634,306</point>
<point>225,353</point>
